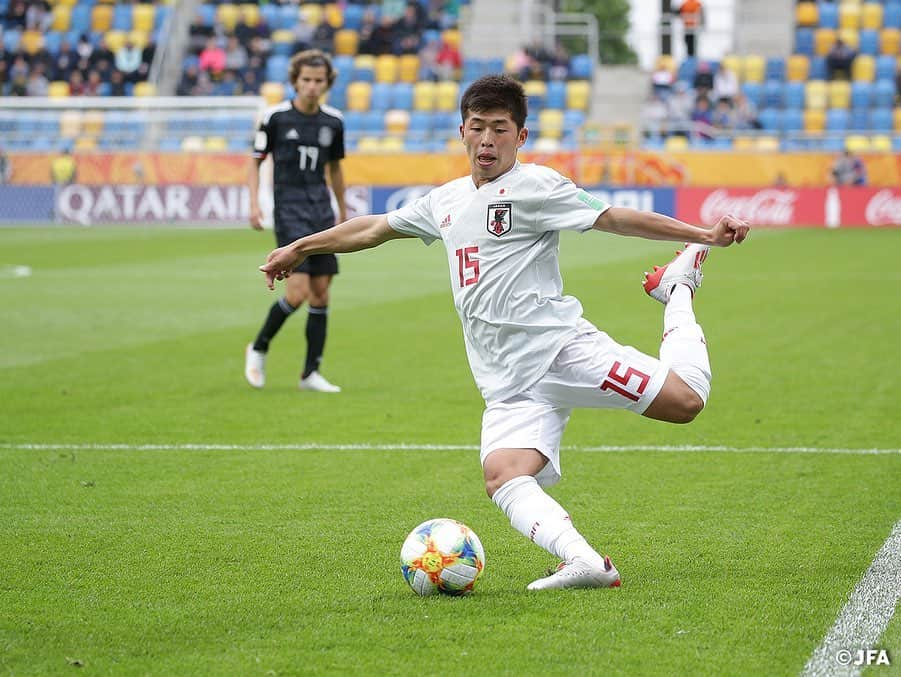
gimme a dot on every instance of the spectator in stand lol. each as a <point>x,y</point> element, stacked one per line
<point>37,85</point>
<point>198,34</point>
<point>655,116</point>
<point>323,37</point>
<point>722,118</point>
<point>691,12</point>
<point>250,83</point>
<point>408,30</point>
<point>228,84</point>
<point>849,170</point>
<point>368,25</point>
<point>448,61</point>
<point>681,104</point>
<point>76,84</point>
<point>235,55</point>
<point>559,66</point>
<point>839,60</point>
<point>117,84</point>
<point>303,35</point>
<point>38,16</point>
<point>84,48</point>
<point>15,15</point>
<point>702,118</point>
<point>18,85</point>
<point>128,61</point>
<point>102,53</point>
<point>188,81</point>
<point>212,58</point>
<point>246,33</point>
<point>381,39</point>
<point>725,85</point>
<point>744,113</point>
<point>898,87</point>
<point>662,79</point>
<point>94,84</point>
<point>519,64</point>
<point>703,80</point>
<point>64,62</point>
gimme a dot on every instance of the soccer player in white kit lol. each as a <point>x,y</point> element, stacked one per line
<point>532,354</point>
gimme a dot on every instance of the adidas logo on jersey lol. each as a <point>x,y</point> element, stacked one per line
<point>292,134</point>
<point>446,222</point>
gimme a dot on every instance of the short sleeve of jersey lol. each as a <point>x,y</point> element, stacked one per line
<point>568,207</point>
<point>338,143</point>
<point>416,219</point>
<point>262,139</point>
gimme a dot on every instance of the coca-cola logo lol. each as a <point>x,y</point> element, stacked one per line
<point>770,207</point>
<point>884,209</point>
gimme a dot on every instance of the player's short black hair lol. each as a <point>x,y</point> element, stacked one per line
<point>496,92</point>
<point>312,57</point>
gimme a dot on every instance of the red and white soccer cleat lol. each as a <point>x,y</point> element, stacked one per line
<point>684,269</point>
<point>579,574</point>
<point>254,366</point>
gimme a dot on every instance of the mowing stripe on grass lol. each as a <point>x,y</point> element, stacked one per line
<point>865,617</point>
<point>310,446</point>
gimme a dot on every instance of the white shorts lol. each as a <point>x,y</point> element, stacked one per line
<point>591,371</point>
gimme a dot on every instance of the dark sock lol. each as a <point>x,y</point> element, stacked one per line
<point>317,319</point>
<point>278,313</point>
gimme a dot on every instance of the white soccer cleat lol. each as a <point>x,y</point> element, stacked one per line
<point>254,366</point>
<point>579,574</point>
<point>317,383</point>
<point>684,269</point>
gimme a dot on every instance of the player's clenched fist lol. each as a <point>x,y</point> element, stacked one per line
<point>730,229</point>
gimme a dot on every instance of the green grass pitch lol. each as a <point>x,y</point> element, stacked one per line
<point>176,554</point>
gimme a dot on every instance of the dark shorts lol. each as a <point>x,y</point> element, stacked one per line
<point>294,220</point>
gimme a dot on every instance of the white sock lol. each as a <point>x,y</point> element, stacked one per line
<point>540,518</point>
<point>684,349</point>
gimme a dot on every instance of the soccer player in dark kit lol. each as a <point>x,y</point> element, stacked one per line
<point>306,140</point>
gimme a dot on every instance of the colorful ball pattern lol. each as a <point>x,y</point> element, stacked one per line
<point>442,556</point>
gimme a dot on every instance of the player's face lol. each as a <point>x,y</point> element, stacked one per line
<point>491,140</point>
<point>310,85</point>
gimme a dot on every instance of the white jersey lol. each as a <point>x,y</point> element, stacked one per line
<point>502,243</point>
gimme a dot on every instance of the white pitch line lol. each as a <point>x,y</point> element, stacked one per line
<point>311,446</point>
<point>865,617</point>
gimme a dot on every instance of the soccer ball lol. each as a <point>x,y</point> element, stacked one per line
<point>442,555</point>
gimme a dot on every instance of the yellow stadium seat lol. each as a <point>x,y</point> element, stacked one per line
<point>115,40</point>
<point>578,93</point>
<point>142,17</point>
<point>850,36</point>
<point>250,12</point>
<point>369,144</point>
<point>228,14</point>
<point>769,144</point>
<point>871,16</point>
<point>815,94</point>
<point>889,39</point>
<point>32,41</point>
<point>550,122</point>
<point>347,41</point>
<point>62,18</point>
<point>69,120</point>
<point>535,88</point>
<point>734,63</point>
<point>58,89</point>
<point>743,143</point>
<point>839,94</point>
<point>446,95</point>
<point>192,144</point>
<point>67,3</point>
<point>881,143</point>
<point>807,14</point>
<point>145,89</point>
<point>282,36</point>
<point>312,14</point>
<point>358,96</point>
<point>896,117</point>
<point>814,120</point>
<point>215,143</point>
<point>424,96</point>
<point>857,143</point>
<point>676,143</point>
<point>392,144</point>
<point>386,68</point>
<point>334,15</point>
<point>797,68</point>
<point>753,68</point>
<point>92,123</point>
<point>452,37</point>
<point>667,62</point>
<point>823,39</point>
<point>101,18</point>
<point>139,38</point>
<point>863,68</point>
<point>272,92</point>
<point>408,68</point>
<point>397,121</point>
<point>849,15</point>
<point>85,143</point>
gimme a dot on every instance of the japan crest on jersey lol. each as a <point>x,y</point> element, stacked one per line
<point>500,218</point>
<point>325,136</point>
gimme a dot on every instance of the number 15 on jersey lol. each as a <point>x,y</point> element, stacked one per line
<point>468,266</point>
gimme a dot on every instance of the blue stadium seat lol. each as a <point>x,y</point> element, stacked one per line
<point>754,93</point>
<point>869,42</point>
<point>817,68</point>
<point>896,143</point>
<point>381,97</point>
<point>775,69</point>
<point>269,12</point>
<point>861,94</point>
<point>344,66</point>
<point>122,19</point>
<point>52,41</point>
<point>772,94</point>
<point>494,66</point>
<point>687,69</point>
<point>573,121</point>
<point>420,125</point>
<point>837,120</point>
<point>416,144</point>
<point>337,97</point>
<point>828,12</point>
<point>860,120</point>
<point>11,39</point>
<point>287,17</point>
<point>374,122</point>
<point>891,18</point>
<point>580,67</point>
<point>80,18</point>
<point>472,68</point>
<point>207,14</point>
<point>804,41</point>
<point>402,96</point>
<point>833,144</point>
<point>881,120</point>
<point>770,119</point>
<point>885,67</point>
<point>276,68</point>
<point>884,93</point>
<point>792,120</point>
<point>556,94</point>
<point>353,121</point>
<point>793,94</point>
<point>353,16</point>
<point>160,16</point>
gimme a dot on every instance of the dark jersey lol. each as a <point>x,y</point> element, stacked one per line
<point>301,145</point>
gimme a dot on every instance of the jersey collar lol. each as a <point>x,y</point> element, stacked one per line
<point>496,179</point>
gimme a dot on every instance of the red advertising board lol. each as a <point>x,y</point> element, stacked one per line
<point>779,207</point>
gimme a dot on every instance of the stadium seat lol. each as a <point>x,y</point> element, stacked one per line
<point>770,119</point>
<point>864,68</point>
<point>115,40</point>
<point>793,94</point>
<point>142,17</point>
<point>687,69</point>
<point>447,95</point>
<point>407,67</point>
<point>837,120</point>
<point>815,121</point>
<point>397,121</point>
<point>424,96</point>
<point>889,40</point>
<point>347,41</point>
<point>850,36</point>
<point>122,17</point>
<point>775,68</point>
<point>869,42</point>
<point>792,120</point>
<point>364,68</point>
<point>823,39</point>
<point>31,42</point>
<point>871,16</point>
<point>277,68</point>
<point>550,123</point>
<point>58,89</point>
<point>849,15</point>
<point>816,95</point>
<point>272,92</point>
<point>881,143</point>
<point>380,96</point>
<point>80,18</point>
<point>891,18</point>
<point>62,17</point>
<point>885,67</point>
<point>536,92</point>
<point>353,15</point>
<point>556,94</point>
<point>772,94</point>
<point>358,96</point>
<point>402,96</point>
<point>884,93</point>
<point>228,15</point>
<point>334,15</point>
<point>282,41</point>
<point>145,89</point>
<point>386,68</point>
<point>860,119</point>
<point>250,13</point>
<point>374,122</point>
<point>828,13</point>
<point>839,92</point>
<point>881,120</point>
<point>580,67</point>
<point>578,94</point>
<point>733,63</point>
<point>754,93</point>
<point>806,14</point>
<point>420,125</point>
<point>101,18</point>
<point>861,94</point>
<point>797,68</point>
<point>451,36</point>
<point>754,68</point>
<point>804,41</point>
<point>857,143</point>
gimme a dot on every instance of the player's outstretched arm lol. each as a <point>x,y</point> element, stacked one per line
<point>654,226</point>
<point>360,232</point>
